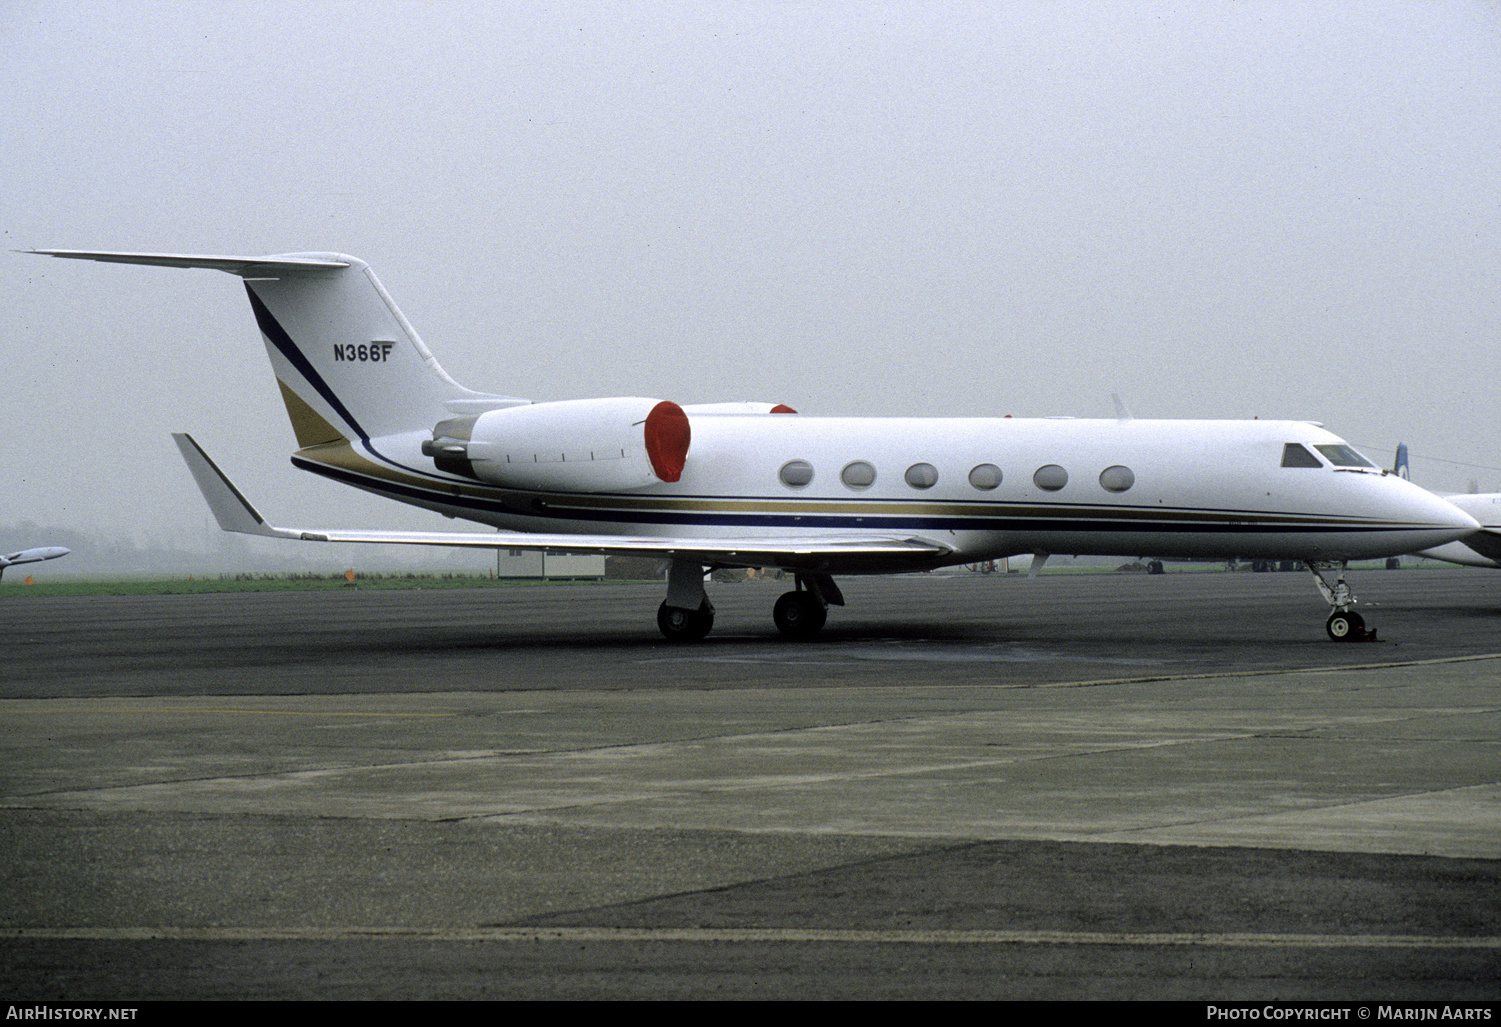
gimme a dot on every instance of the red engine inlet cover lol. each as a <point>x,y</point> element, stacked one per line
<point>667,438</point>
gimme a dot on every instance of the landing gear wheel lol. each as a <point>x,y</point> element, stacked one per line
<point>799,614</point>
<point>1345,627</point>
<point>680,625</point>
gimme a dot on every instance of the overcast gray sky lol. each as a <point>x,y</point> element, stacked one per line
<point>1221,210</point>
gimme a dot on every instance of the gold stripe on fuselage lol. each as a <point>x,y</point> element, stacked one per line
<point>343,456</point>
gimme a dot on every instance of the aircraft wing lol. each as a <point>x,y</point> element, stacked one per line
<point>236,513</point>
<point>1486,542</point>
<point>1481,549</point>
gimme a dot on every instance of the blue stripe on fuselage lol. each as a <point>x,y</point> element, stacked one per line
<point>557,509</point>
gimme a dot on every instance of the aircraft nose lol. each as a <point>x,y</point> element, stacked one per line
<point>1448,518</point>
<point>1420,519</point>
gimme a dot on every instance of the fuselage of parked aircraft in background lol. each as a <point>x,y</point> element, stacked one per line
<point>36,555</point>
<point>1479,549</point>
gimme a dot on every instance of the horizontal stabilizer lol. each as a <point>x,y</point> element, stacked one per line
<point>245,267</point>
<point>235,513</point>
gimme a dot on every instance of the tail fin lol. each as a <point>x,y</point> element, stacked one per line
<point>348,363</point>
<point>1400,467</point>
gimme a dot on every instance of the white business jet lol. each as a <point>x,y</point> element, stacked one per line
<point>756,485</point>
<point>32,556</point>
<point>1481,549</point>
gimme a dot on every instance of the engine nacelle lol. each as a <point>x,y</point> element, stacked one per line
<point>580,445</point>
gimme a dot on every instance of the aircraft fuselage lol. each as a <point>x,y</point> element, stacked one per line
<point>986,487</point>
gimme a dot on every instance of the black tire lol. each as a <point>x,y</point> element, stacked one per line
<point>799,614</point>
<point>680,625</point>
<point>1345,627</point>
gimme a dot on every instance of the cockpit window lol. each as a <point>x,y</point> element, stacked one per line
<point>1343,456</point>
<point>1294,455</point>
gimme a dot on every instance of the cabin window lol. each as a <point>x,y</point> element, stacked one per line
<point>858,474</point>
<point>985,477</point>
<point>1344,456</point>
<point>1295,455</point>
<point>1050,478</point>
<point>921,476</point>
<point>796,473</point>
<point>1117,478</point>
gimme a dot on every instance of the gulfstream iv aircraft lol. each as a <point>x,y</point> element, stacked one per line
<point>757,485</point>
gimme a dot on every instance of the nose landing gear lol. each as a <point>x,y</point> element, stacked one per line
<point>1348,627</point>
<point>1344,624</point>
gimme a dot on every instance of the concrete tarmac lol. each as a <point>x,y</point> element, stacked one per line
<point>1102,786</point>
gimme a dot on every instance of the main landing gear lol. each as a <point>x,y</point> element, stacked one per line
<point>800,614</point>
<point>1344,624</point>
<point>679,625</point>
<point>687,615</point>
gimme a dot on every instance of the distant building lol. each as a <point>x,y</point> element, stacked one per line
<point>522,563</point>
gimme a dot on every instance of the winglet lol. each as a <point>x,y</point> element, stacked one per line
<point>232,510</point>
